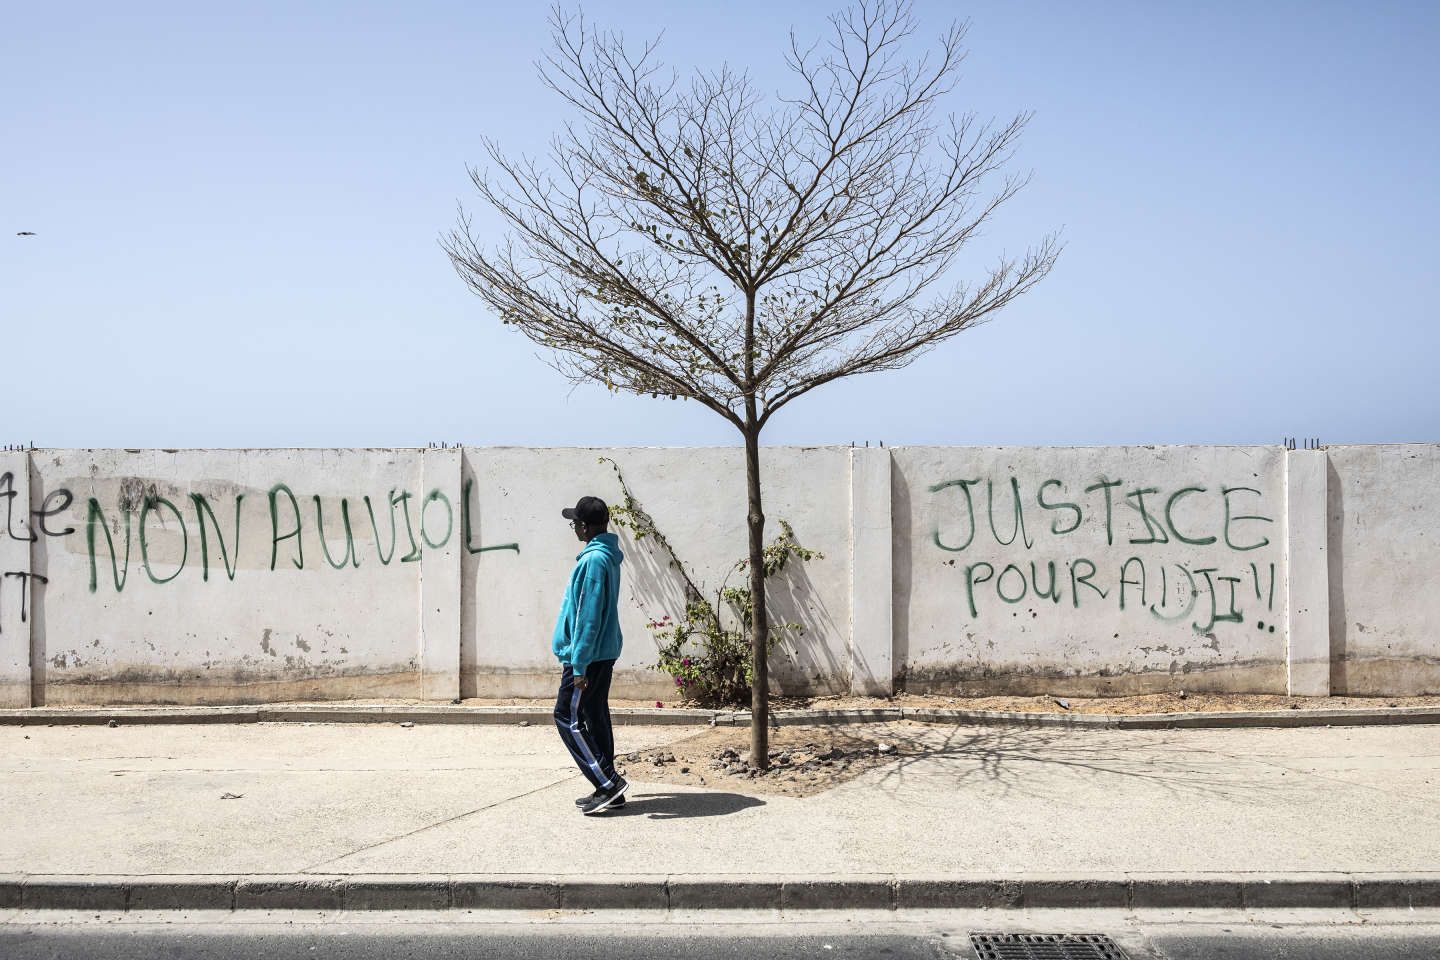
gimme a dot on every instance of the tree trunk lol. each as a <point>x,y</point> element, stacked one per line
<point>759,622</point>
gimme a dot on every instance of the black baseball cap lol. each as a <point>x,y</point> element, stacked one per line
<point>590,510</point>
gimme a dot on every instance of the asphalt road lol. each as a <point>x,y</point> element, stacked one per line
<point>1298,945</point>
<point>316,941</point>
<point>320,945</point>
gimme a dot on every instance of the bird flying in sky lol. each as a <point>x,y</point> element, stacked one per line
<point>26,233</point>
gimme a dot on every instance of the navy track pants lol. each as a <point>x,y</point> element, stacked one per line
<point>583,719</point>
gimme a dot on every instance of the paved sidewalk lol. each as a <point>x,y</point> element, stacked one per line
<point>986,805</point>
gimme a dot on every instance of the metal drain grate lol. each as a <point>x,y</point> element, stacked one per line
<point>1045,946</point>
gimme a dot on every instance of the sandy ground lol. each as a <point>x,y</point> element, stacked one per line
<point>804,760</point>
<point>1148,703</point>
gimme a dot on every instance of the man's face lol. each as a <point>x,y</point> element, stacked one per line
<point>582,532</point>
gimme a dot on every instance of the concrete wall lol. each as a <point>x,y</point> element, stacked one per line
<point>1384,569</point>
<point>260,575</point>
<point>1090,570</point>
<point>697,499</point>
<point>17,599</point>
<point>229,575</point>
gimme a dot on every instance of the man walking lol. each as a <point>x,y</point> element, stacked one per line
<point>587,642</point>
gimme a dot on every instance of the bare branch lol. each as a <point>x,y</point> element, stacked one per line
<point>691,240</point>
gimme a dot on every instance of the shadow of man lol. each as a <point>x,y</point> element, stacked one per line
<point>676,806</point>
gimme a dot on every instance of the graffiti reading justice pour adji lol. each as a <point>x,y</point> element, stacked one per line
<point>402,526</point>
<point>1140,523</point>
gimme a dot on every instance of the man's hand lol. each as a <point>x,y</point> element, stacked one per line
<point>581,683</point>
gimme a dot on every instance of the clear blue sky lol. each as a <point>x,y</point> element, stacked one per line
<point>237,208</point>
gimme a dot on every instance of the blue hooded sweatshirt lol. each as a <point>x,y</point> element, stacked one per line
<point>589,625</point>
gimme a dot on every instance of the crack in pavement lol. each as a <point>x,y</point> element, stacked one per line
<point>440,823</point>
<point>1338,781</point>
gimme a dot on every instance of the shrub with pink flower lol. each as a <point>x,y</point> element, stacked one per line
<point>707,649</point>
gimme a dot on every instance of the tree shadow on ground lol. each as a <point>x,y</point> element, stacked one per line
<point>1026,760</point>
<point>680,806</point>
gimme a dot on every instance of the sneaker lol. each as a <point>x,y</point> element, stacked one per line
<point>614,797</point>
<point>581,801</point>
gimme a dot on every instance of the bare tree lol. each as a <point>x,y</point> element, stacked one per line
<point>694,240</point>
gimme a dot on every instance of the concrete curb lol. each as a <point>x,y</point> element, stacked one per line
<point>698,892</point>
<point>1181,721</point>
<point>333,713</point>
<point>638,716</point>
